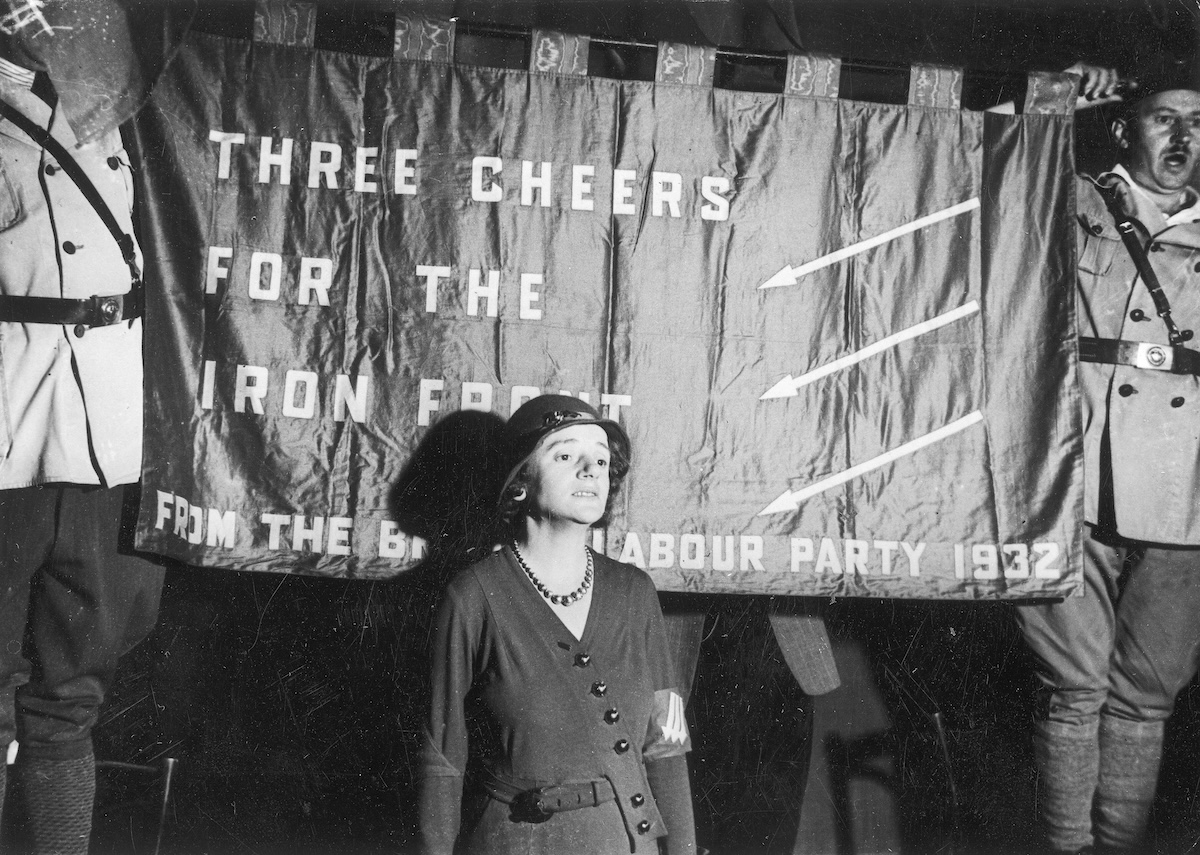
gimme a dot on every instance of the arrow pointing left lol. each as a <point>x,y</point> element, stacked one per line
<point>789,385</point>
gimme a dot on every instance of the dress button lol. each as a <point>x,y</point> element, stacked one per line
<point>51,169</point>
<point>621,746</point>
<point>114,162</point>
<point>1177,402</point>
<point>1137,315</point>
<point>643,826</point>
<point>637,800</point>
<point>582,660</point>
<point>1125,390</point>
<point>599,688</point>
<point>612,716</point>
<point>68,247</point>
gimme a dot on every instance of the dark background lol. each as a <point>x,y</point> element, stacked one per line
<point>293,704</point>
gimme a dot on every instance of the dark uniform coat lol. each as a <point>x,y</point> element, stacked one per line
<point>1152,417</point>
<point>545,707</point>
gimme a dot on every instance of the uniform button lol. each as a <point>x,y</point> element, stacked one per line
<point>1196,267</point>
<point>1156,247</point>
<point>621,746</point>
<point>68,248</point>
<point>643,826</point>
<point>637,800</point>
<point>612,716</point>
<point>1177,402</point>
<point>1137,315</point>
<point>114,162</point>
<point>582,660</point>
<point>1125,390</point>
<point>1096,229</point>
<point>51,169</point>
<point>80,329</point>
<point>599,688</point>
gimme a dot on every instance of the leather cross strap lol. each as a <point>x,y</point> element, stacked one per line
<point>93,311</point>
<point>1140,354</point>
<point>1127,227</point>
<point>85,185</point>
<point>536,804</point>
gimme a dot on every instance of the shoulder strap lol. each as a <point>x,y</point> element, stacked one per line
<point>43,137</point>
<point>1127,227</point>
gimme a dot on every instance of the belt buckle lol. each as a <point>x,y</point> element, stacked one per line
<point>1156,357</point>
<point>104,311</point>
<point>528,806</point>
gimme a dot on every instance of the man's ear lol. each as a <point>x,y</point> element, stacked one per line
<point>1122,133</point>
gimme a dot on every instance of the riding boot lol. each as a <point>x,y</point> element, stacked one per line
<point>58,798</point>
<point>1067,760</point>
<point>1130,756</point>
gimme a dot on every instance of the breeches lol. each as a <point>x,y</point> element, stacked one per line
<point>1129,645</point>
<point>72,601</point>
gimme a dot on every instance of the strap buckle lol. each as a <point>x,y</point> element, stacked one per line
<point>1155,357</point>
<point>529,806</point>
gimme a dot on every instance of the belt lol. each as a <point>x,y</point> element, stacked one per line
<point>533,803</point>
<point>1174,359</point>
<point>94,311</point>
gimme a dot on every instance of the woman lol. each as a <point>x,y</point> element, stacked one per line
<point>555,657</point>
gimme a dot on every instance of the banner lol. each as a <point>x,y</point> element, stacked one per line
<point>838,333</point>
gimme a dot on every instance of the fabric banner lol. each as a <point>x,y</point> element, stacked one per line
<point>838,333</point>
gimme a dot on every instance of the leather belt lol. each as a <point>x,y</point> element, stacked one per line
<point>533,803</point>
<point>95,311</point>
<point>1173,359</point>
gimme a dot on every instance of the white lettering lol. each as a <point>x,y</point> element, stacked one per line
<point>476,292</point>
<point>215,273</point>
<point>581,188</point>
<point>274,264</point>
<point>268,160</point>
<point>404,185</point>
<point>316,277</point>
<point>666,192</point>
<point>711,188</point>
<point>623,191</point>
<point>529,297</point>
<point>531,182</point>
<point>324,162</point>
<point>486,167</point>
<point>364,169</point>
<point>427,404</point>
<point>227,141</point>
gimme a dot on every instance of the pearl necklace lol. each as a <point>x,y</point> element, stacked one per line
<point>558,599</point>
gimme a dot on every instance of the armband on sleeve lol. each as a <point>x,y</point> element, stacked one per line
<point>668,736</point>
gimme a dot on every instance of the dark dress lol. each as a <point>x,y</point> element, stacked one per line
<point>504,665</point>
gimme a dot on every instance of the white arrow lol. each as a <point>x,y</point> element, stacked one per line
<point>789,386</point>
<point>790,501</point>
<point>789,275</point>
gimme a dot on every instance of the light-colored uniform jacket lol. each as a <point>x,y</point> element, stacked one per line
<point>70,406</point>
<point>1152,417</point>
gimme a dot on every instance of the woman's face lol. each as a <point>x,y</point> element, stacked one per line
<point>569,475</point>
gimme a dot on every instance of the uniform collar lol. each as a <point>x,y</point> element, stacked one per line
<point>15,75</point>
<point>37,111</point>
<point>1149,213</point>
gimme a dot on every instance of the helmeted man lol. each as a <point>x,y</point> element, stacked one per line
<point>72,598</point>
<point>1112,662</point>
